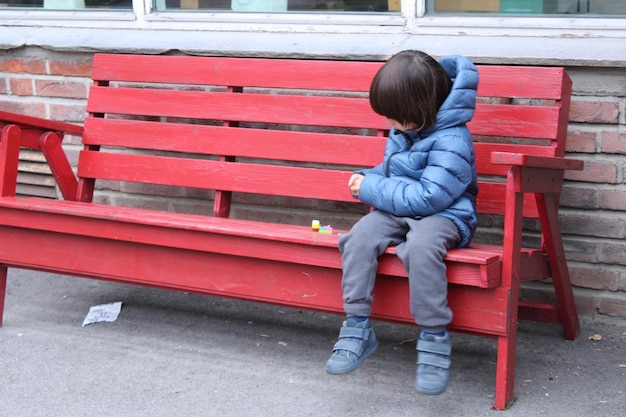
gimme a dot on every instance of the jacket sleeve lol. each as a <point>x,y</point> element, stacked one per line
<point>422,192</point>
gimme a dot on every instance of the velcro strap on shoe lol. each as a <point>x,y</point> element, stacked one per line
<point>439,361</point>
<point>352,339</point>
<point>434,347</point>
<point>354,332</point>
<point>353,346</point>
<point>434,354</point>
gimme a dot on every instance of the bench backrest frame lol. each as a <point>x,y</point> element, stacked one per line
<point>222,123</point>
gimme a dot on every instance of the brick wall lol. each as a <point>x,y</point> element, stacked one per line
<point>593,204</point>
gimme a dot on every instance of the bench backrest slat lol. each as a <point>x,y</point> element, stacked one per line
<point>294,128</point>
<point>235,72</point>
<point>539,83</point>
<point>278,180</point>
<point>249,143</point>
<point>268,108</point>
<point>530,122</point>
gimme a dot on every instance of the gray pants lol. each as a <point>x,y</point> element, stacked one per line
<point>421,245</point>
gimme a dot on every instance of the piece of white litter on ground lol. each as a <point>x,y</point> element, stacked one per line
<point>103,312</point>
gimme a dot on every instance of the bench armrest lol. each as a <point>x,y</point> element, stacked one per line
<point>535,161</point>
<point>9,159</point>
<point>46,136</point>
<point>26,122</point>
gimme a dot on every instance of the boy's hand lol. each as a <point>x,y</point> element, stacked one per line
<point>355,184</point>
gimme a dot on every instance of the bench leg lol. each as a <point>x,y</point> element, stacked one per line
<point>10,138</point>
<point>3,289</point>
<point>505,371</point>
<point>553,245</point>
<point>511,264</point>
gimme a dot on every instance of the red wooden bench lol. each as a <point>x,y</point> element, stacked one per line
<point>291,128</point>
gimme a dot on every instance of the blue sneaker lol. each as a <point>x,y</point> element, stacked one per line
<point>433,363</point>
<point>356,342</point>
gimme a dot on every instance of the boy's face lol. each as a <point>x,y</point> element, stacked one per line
<point>399,126</point>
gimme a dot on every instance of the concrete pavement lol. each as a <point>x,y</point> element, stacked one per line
<point>175,354</point>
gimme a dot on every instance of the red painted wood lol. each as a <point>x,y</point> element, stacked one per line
<point>328,148</point>
<point>265,108</point>
<point>271,73</point>
<point>285,283</point>
<point>541,312</point>
<point>521,82</point>
<point>511,272</point>
<point>40,124</point>
<point>220,175</point>
<point>50,144</point>
<point>9,156</point>
<point>536,161</point>
<point>218,125</point>
<point>3,290</point>
<point>496,81</point>
<point>515,121</point>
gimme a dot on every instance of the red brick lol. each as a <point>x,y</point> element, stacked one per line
<point>72,140</point>
<point>614,252</point>
<point>544,293</point>
<point>101,198</point>
<point>594,277</point>
<point>613,142</point>
<point>581,142</point>
<point>146,203</point>
<point>599,224</point>
<point>30,66</point>
<point>594,112</point>
<point>31,109</point>
<point>21,86</point>
<point>152,190</point>
<point>68,113</point>
<point>613,199</point>
<point>595,171</point>
<point>65,89</point>
<point>585,303</point>
<point>3,85</point>
<point>582,250</point>
<point>579,196</point>
<point>612,304</point>
<point>109,185</point>
<point>193,207</point>
<point>75,67</point>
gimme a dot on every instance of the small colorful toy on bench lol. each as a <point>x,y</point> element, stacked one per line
<point>317,227</point>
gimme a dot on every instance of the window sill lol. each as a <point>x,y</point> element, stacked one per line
<point>509,40</point>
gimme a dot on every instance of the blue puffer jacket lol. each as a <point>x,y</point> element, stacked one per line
<point>432,172</point>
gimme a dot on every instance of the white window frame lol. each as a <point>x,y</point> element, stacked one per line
<point>562,40</point>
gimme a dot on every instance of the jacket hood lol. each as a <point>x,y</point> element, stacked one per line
<point>459,106</point>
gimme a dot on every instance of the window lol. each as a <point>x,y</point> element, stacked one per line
<point>326,6</point>
<point>323,6</point>
<point>436,7</point>
<point>71,4</point>
<point>528,6</point>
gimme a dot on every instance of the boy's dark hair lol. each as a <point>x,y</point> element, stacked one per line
<point>409,88</point>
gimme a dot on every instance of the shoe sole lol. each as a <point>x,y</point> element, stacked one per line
<point>431,392</point>
<point>356,364</point>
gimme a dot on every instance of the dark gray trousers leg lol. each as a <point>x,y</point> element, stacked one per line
<point>422,245</point>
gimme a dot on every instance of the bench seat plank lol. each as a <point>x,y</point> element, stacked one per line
<point>478,266</point>
<point>309,275</point>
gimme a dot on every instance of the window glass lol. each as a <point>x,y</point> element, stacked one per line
<point>586,8</point>
<point>528,7</point>
<point>69,4</point>
<point>224,5</point>
<point>325,6</point>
